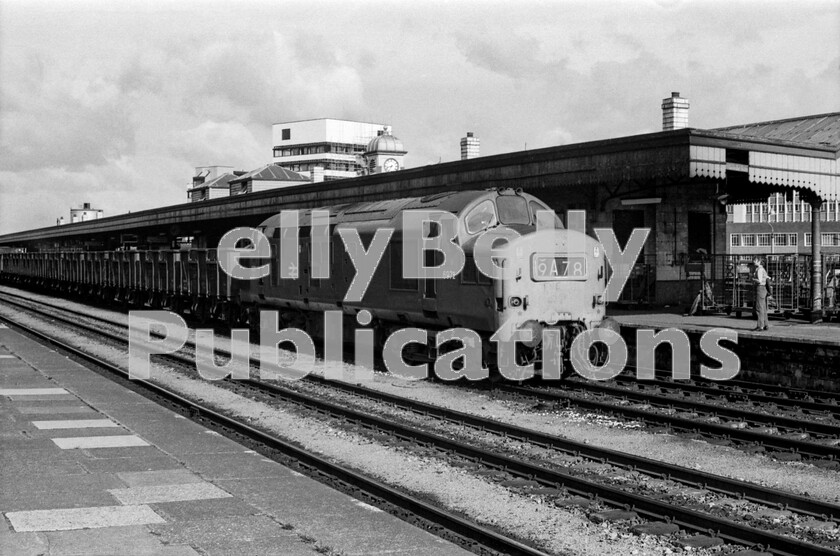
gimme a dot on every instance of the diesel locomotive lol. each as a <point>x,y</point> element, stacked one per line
<point>547,279</point>
<point>552,279</point>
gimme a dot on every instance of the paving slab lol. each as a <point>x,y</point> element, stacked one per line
<point>152,461</point>
<point>33,492</point>
<point>291,499</point>
<point>53,409</point>
<point>22,443</point>
<point>181,437</point>
<point>74,433</point>
<point>15,470</point>
<point>168,493</point>
<point>44,397</point>
<point>231,533</point>
<point>33,391</point>
<point>88,442</point>
<point>240,465</point>
<point>344,523</point>
<point>65,519</point>
<point>192,510</point>
<point>132,539</point>
<point>23,544</point>
<point>75,424</point>
<point>158,478</point>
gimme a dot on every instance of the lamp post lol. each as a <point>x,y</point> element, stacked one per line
<point>770,214</point>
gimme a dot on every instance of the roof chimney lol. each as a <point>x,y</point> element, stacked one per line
<point>86,206</point>
<point>470,146</point>
<point>674,112</point>
<point>316,174</point>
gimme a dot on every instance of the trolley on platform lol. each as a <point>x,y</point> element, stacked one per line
<point>705,302</point>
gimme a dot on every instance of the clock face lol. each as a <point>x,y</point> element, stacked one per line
<point>390,165</point>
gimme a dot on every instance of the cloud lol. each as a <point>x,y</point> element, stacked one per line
<point>55,118</point>
<point>217,143</point>
<point>516,57</point>
<point>39,196</point>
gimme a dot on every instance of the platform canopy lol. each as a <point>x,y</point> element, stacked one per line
<point>799,153</point>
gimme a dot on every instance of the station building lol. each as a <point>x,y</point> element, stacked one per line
<point>82,214</point>
<point>334,145</point>
<point>211,182</point>
<point>270,176</point>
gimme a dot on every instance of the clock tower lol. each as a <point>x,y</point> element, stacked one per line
<point>384,153</point>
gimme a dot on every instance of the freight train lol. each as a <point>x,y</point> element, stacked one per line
<point>550,279</point>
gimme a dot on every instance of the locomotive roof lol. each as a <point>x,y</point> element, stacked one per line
<point>387,210</point>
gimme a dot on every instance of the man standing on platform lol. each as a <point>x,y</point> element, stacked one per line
<point>760,278</point>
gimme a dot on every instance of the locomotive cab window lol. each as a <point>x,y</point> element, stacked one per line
<point>481,217</point>
<point>513,209</point>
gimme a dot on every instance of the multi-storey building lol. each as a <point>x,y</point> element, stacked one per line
<point>81,214</point>
<point>337,146</point>
<point>780,225</point>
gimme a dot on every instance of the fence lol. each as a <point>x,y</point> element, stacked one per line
<point>725,283</point>
<point>640,288</point>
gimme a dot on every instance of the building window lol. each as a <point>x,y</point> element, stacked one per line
<point>780,240</point>
<point>807,239</point>
<point>286,134</point>
<point>748,240</point>
<point>763,240</point>
<point>830,240</point>
<point>735,240</point>
<point>793,240</point>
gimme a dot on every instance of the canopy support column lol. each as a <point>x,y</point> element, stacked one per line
<point>816,261</point>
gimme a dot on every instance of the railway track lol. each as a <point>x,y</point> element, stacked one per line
<point>756,429</point>
<point>651,509</point>
<point>749,428</point>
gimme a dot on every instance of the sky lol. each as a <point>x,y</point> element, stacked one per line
<point>116,103</point>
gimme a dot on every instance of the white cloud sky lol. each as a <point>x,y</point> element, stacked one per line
<point>114,103</point>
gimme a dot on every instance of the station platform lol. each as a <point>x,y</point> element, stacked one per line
<point>89,467</point>
<point>784,330</point>
<point>792,353</point>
